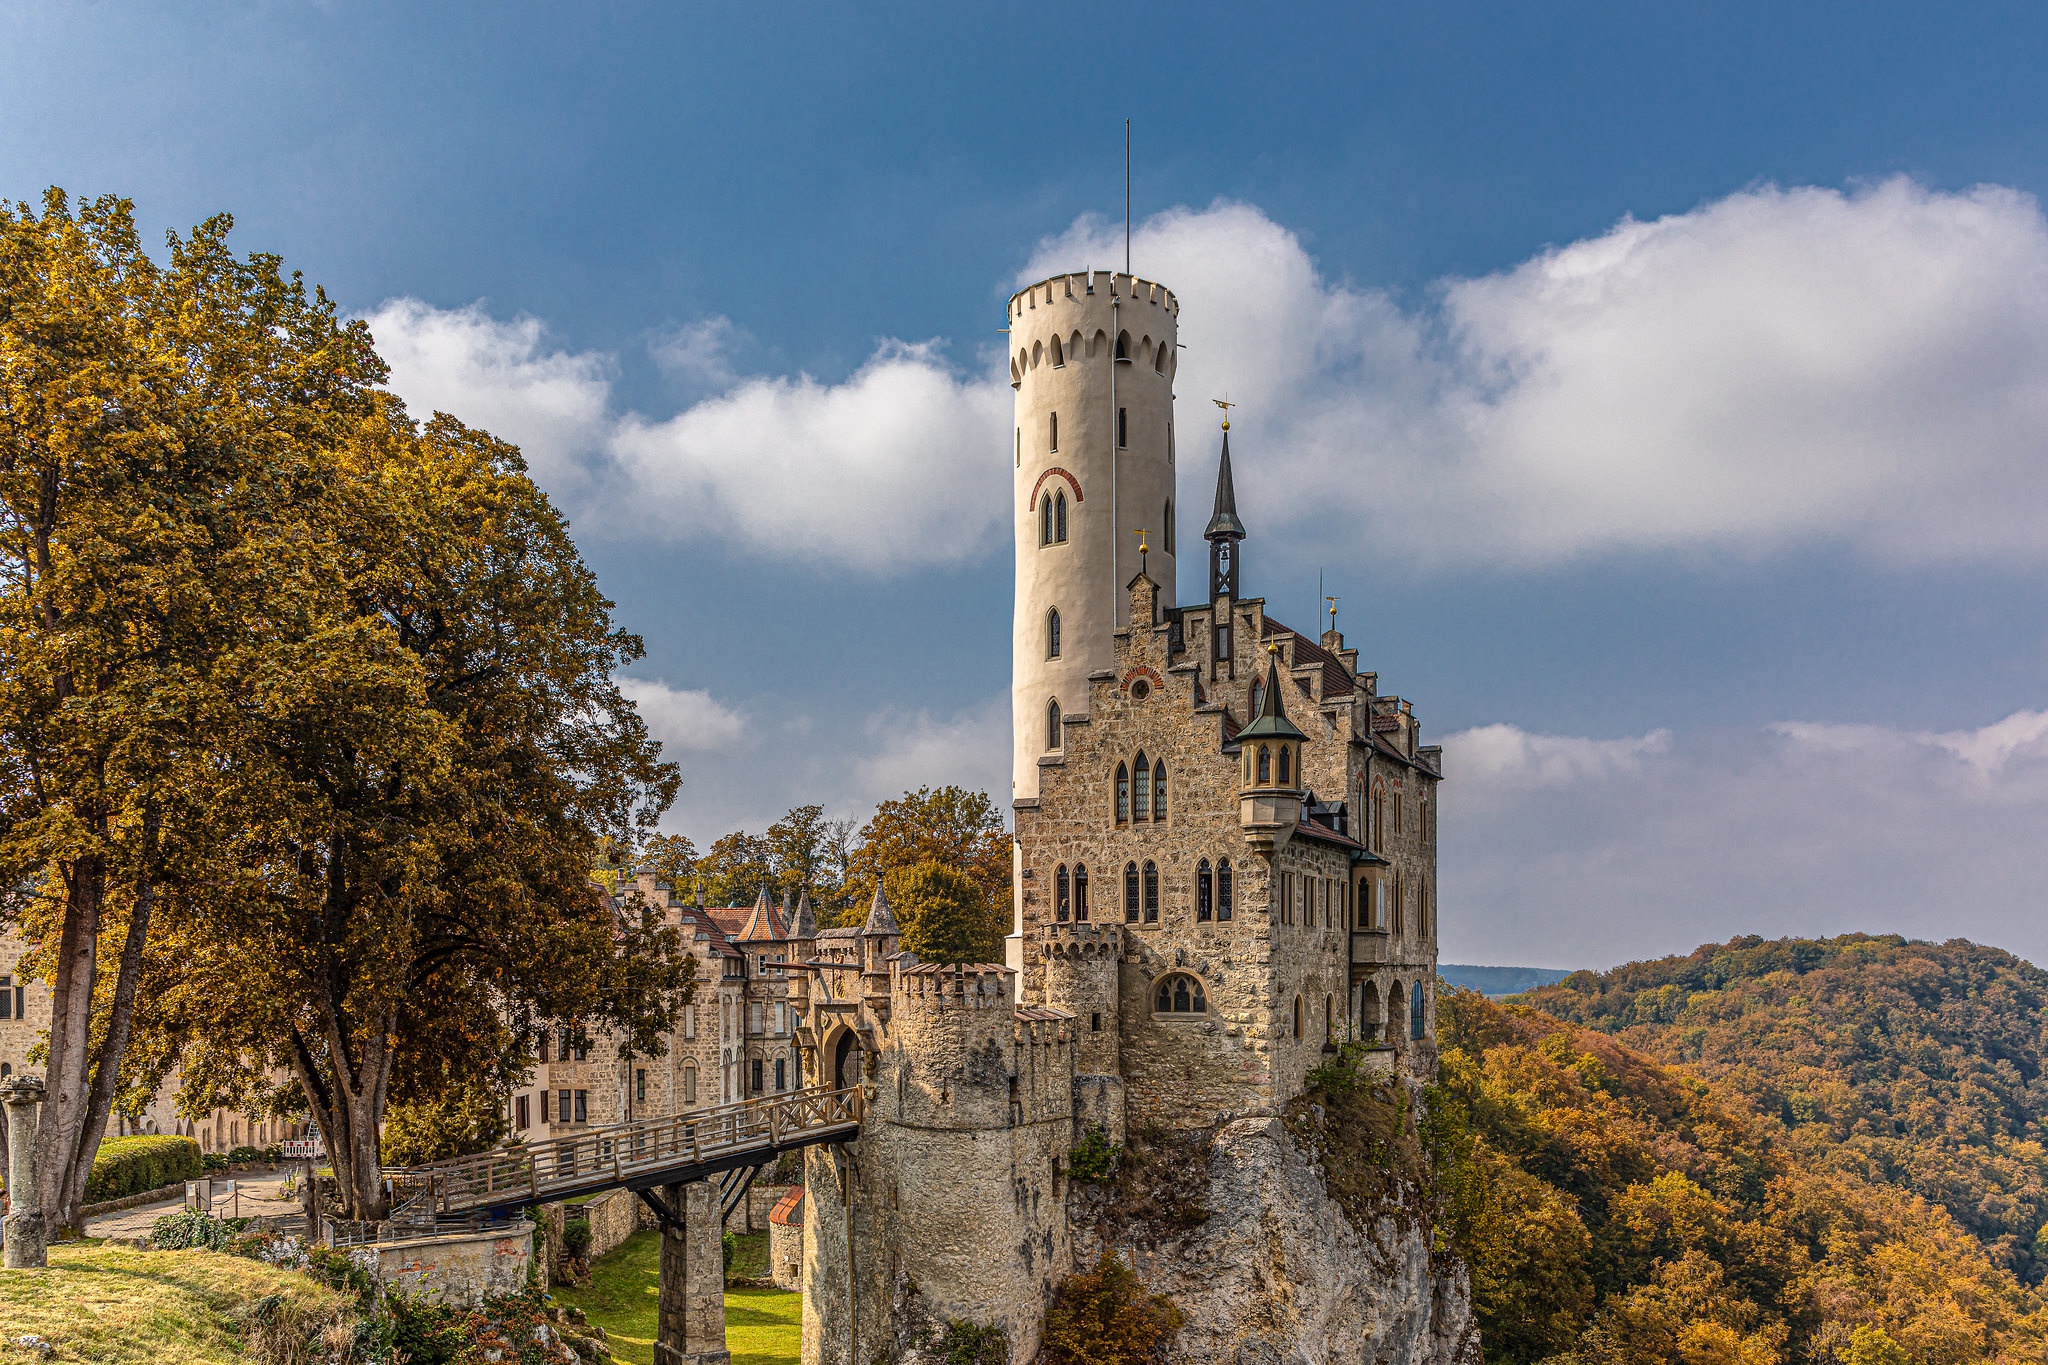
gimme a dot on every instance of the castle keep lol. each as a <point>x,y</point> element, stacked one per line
<point>1225,870</point>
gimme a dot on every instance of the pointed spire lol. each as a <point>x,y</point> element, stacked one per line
<point>1225,523</point>
<point>881,920</point>
<point>760,920</point>
<point>1271,722</point>
<point>805,925</point>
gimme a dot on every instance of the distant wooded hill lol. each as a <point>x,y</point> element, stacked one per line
<point>1498,981</point>
<point>1918,1065</point>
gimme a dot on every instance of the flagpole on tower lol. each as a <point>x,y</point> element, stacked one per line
<point>1127,196</point>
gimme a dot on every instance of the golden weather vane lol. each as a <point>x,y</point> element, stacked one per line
<point>1333,611</point>
<point>1140,532</point>
<point>1226,405</point>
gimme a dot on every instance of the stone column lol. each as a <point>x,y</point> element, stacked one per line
<point>27,1244</point>
<point>691,1306</point>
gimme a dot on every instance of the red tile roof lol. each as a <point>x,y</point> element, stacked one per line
<point>789,1210</point>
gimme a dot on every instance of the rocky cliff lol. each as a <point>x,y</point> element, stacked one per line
<point>1240,1229</point>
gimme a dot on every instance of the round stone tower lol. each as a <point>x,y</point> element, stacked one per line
<point>1092,359</point>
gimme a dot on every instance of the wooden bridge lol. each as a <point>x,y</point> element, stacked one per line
<point>641,1156</point>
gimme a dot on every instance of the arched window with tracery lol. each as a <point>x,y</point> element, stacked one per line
<point>1205,892</point>
<point>1052,633</point>
<point>1283,765</point>
<point>1265,765</point>
<point>1045,520</point>
<point>1159,790</point>
<point>1054,736</point>
<point>1151,892</point>
<point>1224,889</point>
<point>1059,893</point>
<point>1059,518</point>
<point>1080,892</point>
<point>1123,794</point>
<point>1179,993</point>
<point>1130,893</point>
<point>1141,800</point>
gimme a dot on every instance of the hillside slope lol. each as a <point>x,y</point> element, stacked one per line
<point>1917,1064</point>
<point>1616,1211</point>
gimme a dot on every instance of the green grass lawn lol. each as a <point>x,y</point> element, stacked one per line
<point>762,1326</point>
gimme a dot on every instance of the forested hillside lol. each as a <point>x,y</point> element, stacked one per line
<point>1915,1064</point>
<point>1616,1211</point>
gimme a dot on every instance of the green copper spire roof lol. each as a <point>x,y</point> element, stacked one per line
<point>1271,722</point>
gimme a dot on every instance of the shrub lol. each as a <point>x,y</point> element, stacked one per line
<point>1106,1317</point>
<point>1095,1160</point>
<point>133,1165</point>
<point>576,1238</point>
<point>273,1154</point>
<point>969,1343</point>
<point>731,1247</point>
<point>214,1161</point>
<point>193,1230</point>
<point>243,1156</point>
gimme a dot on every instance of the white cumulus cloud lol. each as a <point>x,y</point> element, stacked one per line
<point>685,720</point>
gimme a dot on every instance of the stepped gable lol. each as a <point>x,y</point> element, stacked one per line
<point>1337,679</point>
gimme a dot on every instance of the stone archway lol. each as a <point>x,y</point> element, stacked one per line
<point>1369,1020</point>
<point>848,1060</point>
<point>1397,1014</point>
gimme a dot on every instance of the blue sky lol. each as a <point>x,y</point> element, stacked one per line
<point>1663,389</point>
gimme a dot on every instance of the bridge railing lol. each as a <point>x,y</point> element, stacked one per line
<point>616,1153</point>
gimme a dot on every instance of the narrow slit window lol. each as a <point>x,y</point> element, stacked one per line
<point>1052,634</point>
<point>1055,431</point>
<point>1080,892</point>
<point>1123,427</point>
<point>1054,738</point>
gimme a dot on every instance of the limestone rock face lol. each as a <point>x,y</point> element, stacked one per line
<point>1279,1273</point>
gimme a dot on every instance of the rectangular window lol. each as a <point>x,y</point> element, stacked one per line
<point>1123,428</point>
<point>690,1022</point>
<point>522,1113</point>
<point>757,1075</point>
<point>562,1046</point>
<point>753,1018</point>
<point>540,1048</point>
<point>562,1106</point>
<point>639,1086</point>
<point>689,1085</point>
<point>583,1106</point>
<point>1055,431</point>
<point>6,998</point>
<point>780,1075</point>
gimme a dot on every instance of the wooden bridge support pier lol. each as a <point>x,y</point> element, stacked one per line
<point>691,1304</point>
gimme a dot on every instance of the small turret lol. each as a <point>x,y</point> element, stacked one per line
<point>879,935</point>
<point>1225,530</point>
<point>1269,794</point>
<point>805,924</point>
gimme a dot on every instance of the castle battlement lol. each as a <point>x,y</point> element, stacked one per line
<point>959,985</point>
<point>1085,284</point>
<point>1077,942</point>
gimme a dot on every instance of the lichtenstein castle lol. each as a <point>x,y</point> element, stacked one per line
<point>1225,871</point>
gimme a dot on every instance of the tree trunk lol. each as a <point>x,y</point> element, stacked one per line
<point>68,1073</point>
<point>346,1098</point>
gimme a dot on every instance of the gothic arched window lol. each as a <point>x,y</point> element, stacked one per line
<point>1123,794</point>
<point>1179,994</point>
<point>1059,518</point>
<point>1130,893</point>
<point>1283,765</point>
<point>1151,892</point>
<point>1141,803</point>
<point>1054,736</point>
<point>1052,634</point>
<point>1159,790</point>
<point>1254,699</point>
<point>1416,1008</point>
<point>1265,765</point>
<point>1223,888</point>
<point>1205,892</point>
<point>1045,520</point>
<point>1059,893</point>
<point>1080,892</point>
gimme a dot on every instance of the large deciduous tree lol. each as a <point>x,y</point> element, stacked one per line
<point>952,825</point>
<point>160,430</point>
<point>435,774</point>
